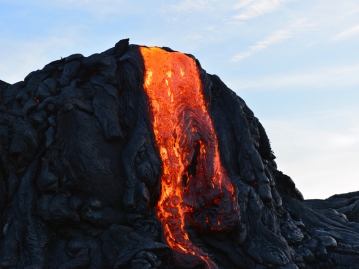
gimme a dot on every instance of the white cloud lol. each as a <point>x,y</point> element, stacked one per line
<point>274,38</point>
<point>344,140</point>
<point>353,31</point>
<point>256,8</point>
<point>243,3</point>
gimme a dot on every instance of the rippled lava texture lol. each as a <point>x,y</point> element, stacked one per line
<point>137,158</point>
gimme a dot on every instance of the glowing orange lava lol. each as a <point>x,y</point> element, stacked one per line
<point>196,189</point>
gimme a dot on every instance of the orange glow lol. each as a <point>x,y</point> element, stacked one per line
<point>194,183</point>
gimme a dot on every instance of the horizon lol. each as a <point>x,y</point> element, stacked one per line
<point>295,64</point>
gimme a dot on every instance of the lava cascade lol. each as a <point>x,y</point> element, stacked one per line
<point>196,189</point>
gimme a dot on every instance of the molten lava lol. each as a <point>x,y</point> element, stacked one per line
<point>196,189</point>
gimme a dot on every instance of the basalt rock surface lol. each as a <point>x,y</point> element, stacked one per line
<point>81,177</point>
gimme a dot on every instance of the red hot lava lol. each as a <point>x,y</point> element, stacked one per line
<point>196,189</point>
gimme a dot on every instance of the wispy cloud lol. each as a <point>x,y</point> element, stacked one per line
<point>255,8</point>
<point>243,3</point>
<point>276,37</point>
<point>353,31</point>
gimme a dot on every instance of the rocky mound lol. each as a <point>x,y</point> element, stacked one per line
<point>137,158</point>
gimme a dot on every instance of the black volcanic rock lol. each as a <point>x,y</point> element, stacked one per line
<point>80,179</point>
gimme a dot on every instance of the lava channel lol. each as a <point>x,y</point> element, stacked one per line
<point>196,189</point>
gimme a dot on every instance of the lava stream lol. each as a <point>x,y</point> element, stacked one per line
<point>194,183</point>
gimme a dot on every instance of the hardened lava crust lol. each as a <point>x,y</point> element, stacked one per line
<point>137,158</point>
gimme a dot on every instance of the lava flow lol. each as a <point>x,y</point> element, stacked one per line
<point>196,189</point>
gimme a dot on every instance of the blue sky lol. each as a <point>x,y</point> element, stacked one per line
<point>295,63</point>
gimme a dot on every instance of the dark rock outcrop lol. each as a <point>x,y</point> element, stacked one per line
<point>80,178</point>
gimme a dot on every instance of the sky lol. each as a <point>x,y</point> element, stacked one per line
<point>294,62</point>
